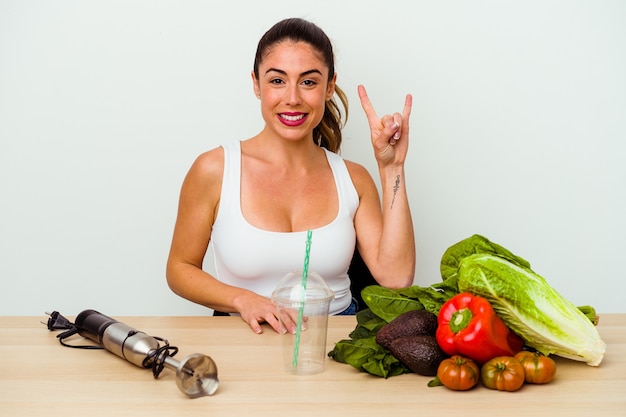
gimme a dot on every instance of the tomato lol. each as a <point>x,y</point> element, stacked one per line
<point>504,373</point>
<point>538,368</point>
<point>458,373</point>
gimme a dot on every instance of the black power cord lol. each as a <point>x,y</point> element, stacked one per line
<point>156,359</point>
<point>57,321</point>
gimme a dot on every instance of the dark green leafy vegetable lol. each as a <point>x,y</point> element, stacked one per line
<point>387,303</point>
<point>433,297</point>
<point>368,324</point>
<point>363,353</point>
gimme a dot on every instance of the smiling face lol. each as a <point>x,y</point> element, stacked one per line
<point>293,87</point>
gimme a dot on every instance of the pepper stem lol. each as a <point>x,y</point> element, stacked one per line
<point>460,319</point>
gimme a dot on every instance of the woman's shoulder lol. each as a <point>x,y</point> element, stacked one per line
<point>208,165</point>
<point>360,176</point>
<point>356,169</point>
<point>203,183</point>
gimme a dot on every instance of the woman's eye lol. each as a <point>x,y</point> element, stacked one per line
<point>309,83</point>
<point>276,81</point>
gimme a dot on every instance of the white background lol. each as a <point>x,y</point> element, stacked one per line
<point>518,133</point>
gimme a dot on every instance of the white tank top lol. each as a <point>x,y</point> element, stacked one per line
<point>256,259</point>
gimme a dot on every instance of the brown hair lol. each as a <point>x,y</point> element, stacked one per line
<point>328,133</point>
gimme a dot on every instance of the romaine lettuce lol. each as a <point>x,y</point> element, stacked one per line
<point>531,307</point>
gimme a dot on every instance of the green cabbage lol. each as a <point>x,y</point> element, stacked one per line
<point>531,307</point>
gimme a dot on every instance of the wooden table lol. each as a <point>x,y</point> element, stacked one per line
<point>39,377</point>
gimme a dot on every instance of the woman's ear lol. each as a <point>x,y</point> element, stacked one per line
<point>330,91</point>
<point>255,85</point>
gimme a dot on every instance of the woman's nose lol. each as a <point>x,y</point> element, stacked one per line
<point>292,95</point>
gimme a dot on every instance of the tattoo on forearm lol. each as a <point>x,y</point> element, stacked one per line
<point>395,190</point>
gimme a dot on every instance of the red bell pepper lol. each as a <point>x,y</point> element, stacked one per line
<point>469,326</point>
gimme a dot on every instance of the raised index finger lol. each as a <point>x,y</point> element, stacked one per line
<point>367,104</point>
<point>408,103</point>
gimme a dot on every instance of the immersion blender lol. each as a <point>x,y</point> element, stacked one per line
<point>196,374</point>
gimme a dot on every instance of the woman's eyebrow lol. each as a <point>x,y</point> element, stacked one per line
<point>305,73</point>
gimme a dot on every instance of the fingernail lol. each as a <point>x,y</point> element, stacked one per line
<point>396,135</point>
<point>392,141</point>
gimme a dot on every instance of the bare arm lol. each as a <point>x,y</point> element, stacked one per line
<point>385,230</point>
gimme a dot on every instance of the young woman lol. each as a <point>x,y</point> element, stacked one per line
<point>256,199</point>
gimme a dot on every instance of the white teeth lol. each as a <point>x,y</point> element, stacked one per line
<point>292,118</point>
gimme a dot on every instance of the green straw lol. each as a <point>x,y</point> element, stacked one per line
<point>305,275</point>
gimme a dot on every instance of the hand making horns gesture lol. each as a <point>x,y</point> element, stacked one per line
<point>390,133</point>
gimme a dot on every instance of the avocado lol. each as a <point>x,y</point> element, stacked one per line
<point>411,323</point>
<point>421,354</point>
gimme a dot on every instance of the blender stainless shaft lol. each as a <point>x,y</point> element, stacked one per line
<point>196,374</point>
